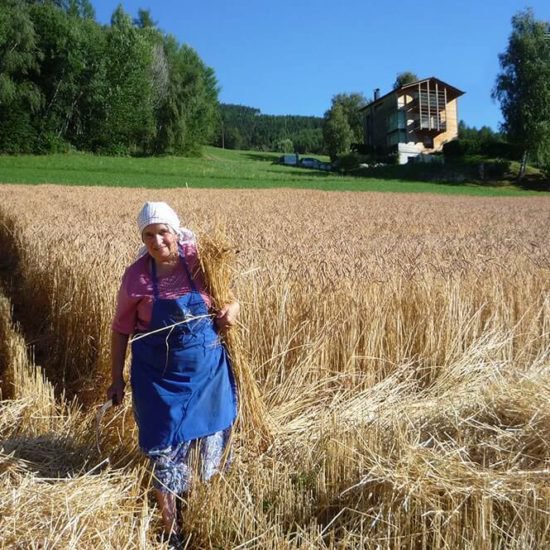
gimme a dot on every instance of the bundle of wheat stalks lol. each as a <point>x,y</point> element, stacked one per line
<point>218,262</point>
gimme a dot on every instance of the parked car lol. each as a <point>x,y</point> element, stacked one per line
<point>289,160</point>
<point>310,162</point>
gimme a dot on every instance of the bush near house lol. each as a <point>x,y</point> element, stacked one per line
<point>494,149</point>
<point>362,154</point>
<point>466,169</point>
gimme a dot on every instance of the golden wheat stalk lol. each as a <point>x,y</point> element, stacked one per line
<point>217,260</point>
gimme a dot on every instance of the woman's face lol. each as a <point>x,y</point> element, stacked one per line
<point>160,241</point>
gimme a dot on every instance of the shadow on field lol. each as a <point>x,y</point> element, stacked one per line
<point>263,157</point>
<point>30,306</point>
<point>449,174</point>
<point>415,172</point>
<point>50,455</point>
<point>304,172</point>
<point>71,369</point>
<point>533,182</point>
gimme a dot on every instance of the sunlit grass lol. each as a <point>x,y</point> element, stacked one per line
<point>218,168</point>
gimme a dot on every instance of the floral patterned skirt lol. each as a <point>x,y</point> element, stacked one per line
<point>172,468</point>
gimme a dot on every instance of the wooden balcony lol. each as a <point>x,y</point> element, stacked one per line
<point>432,124</point>
<point>428,108</point>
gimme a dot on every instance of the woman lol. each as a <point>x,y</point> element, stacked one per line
<point>182,385</point>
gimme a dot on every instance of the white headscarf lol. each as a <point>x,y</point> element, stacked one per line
<point>160,212</point>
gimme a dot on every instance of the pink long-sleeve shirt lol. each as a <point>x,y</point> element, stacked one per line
<point>135,296</point>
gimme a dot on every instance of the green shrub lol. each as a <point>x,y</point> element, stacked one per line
<point>459,148</point>
<point>453,149</point>
<point>497,168</point>
<point>51,143</point>
<point>391,159</point>
<point>349,162</point>
<point>283,145</point>
<point>119,150</point>
<point>501,149</point>
<point>17,134</point>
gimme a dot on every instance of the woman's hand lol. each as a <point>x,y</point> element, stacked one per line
<point>115,392</point>
<point>227,316</point>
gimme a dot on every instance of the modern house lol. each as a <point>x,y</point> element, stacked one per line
<point>415,119</point>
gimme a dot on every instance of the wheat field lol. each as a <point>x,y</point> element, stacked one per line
<point>400,344</point>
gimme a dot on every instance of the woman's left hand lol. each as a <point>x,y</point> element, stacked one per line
<point>227,316</point>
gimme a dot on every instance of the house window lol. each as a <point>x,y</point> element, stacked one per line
<point>368,130</point>
<point>397,121</point>
<point>400,136</point>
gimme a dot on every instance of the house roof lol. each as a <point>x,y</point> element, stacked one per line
<point>456,92</point>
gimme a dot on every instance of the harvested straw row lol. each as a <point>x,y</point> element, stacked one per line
<point>101,510</point>
<point>20,379</point>
<point>50,495</point>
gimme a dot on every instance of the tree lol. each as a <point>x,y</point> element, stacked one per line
<point>241,127</point>
<point>145,20</point>
<point>80,8</point>
<point>68,43</point>
<point>337,132</point>
<point>484,134</point>
<point>344,108</point>
<point>351,103</point>
<point>232,138</point>
<point>284,145</point>
<point>523,88</point>
<point>188,115</point>
<point>129,121</point>
<point>20,59</point>
<point>309,140</point>
<point>404,78</point>
<point>67,81</point>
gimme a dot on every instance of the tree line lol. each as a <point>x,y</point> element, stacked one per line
<point>67,81</point>
<point>242,127</point>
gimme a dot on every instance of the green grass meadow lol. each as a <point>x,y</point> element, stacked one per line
<point>217,168</point>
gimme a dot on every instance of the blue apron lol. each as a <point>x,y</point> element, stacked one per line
<point>182,383</point>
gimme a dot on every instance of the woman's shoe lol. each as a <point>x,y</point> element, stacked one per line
<point>174,541</point>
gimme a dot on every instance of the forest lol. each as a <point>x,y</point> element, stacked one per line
<point>243,127</point>
<point>68,82</point>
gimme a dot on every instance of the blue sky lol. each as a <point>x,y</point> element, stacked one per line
<point>292,56</point>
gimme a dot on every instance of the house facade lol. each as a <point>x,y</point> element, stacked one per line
<point>415,119</point>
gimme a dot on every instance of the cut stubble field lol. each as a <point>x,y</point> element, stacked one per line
<point>401,344</point>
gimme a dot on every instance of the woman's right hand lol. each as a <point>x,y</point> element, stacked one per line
<point>115,392</point>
